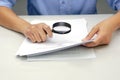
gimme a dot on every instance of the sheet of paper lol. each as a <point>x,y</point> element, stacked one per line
<point>71,54</point>
<point>58,42</point>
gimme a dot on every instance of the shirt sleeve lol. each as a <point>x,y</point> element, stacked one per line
<point>7,3</point>
<point>115,4</point>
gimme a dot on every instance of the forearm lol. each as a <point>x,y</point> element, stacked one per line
<point>115,20</point>
<point>11,21</point>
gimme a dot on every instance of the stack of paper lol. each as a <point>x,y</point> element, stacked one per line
<point>58,42</point>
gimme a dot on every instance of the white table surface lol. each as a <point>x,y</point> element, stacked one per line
<point>105,67</point>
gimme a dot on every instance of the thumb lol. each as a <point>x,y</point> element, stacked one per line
<point>91,33</point>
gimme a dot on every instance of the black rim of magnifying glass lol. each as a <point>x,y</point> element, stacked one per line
<point>60,24</point>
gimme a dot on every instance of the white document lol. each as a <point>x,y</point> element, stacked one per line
<point>58,41</point>
<point>71,54</point>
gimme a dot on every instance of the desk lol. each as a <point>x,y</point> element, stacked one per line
<point>105,67</point>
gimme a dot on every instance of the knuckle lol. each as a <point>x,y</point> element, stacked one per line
<point>27,33</point>
<point>47,28</point>
<point>32,26</point>
<point>42,24</point>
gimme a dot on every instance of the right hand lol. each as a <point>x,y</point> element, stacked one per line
<point>38,32</point>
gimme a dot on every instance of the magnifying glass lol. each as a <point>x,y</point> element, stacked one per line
<point>61,28</point>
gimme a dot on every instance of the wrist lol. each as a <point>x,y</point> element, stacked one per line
<point>23,27</point>
<point>116,20</point>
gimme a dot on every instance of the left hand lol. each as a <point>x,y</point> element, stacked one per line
<point>103,30</point>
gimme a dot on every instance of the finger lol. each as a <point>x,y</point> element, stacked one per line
<point>42,34</point>
<point>91,33</point>
<point>35,32</point>
<point>31,37</point>
<point>96,42</point>
<point>37,36</point>
<point>48,30</point>
<point>91,44</point>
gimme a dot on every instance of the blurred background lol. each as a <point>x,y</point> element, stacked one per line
<point>103,8</point>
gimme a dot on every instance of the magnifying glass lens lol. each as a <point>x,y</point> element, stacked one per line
<point>62,28</point>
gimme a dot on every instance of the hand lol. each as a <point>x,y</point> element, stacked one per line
<point>37,32</point>
<point>104,31</point>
